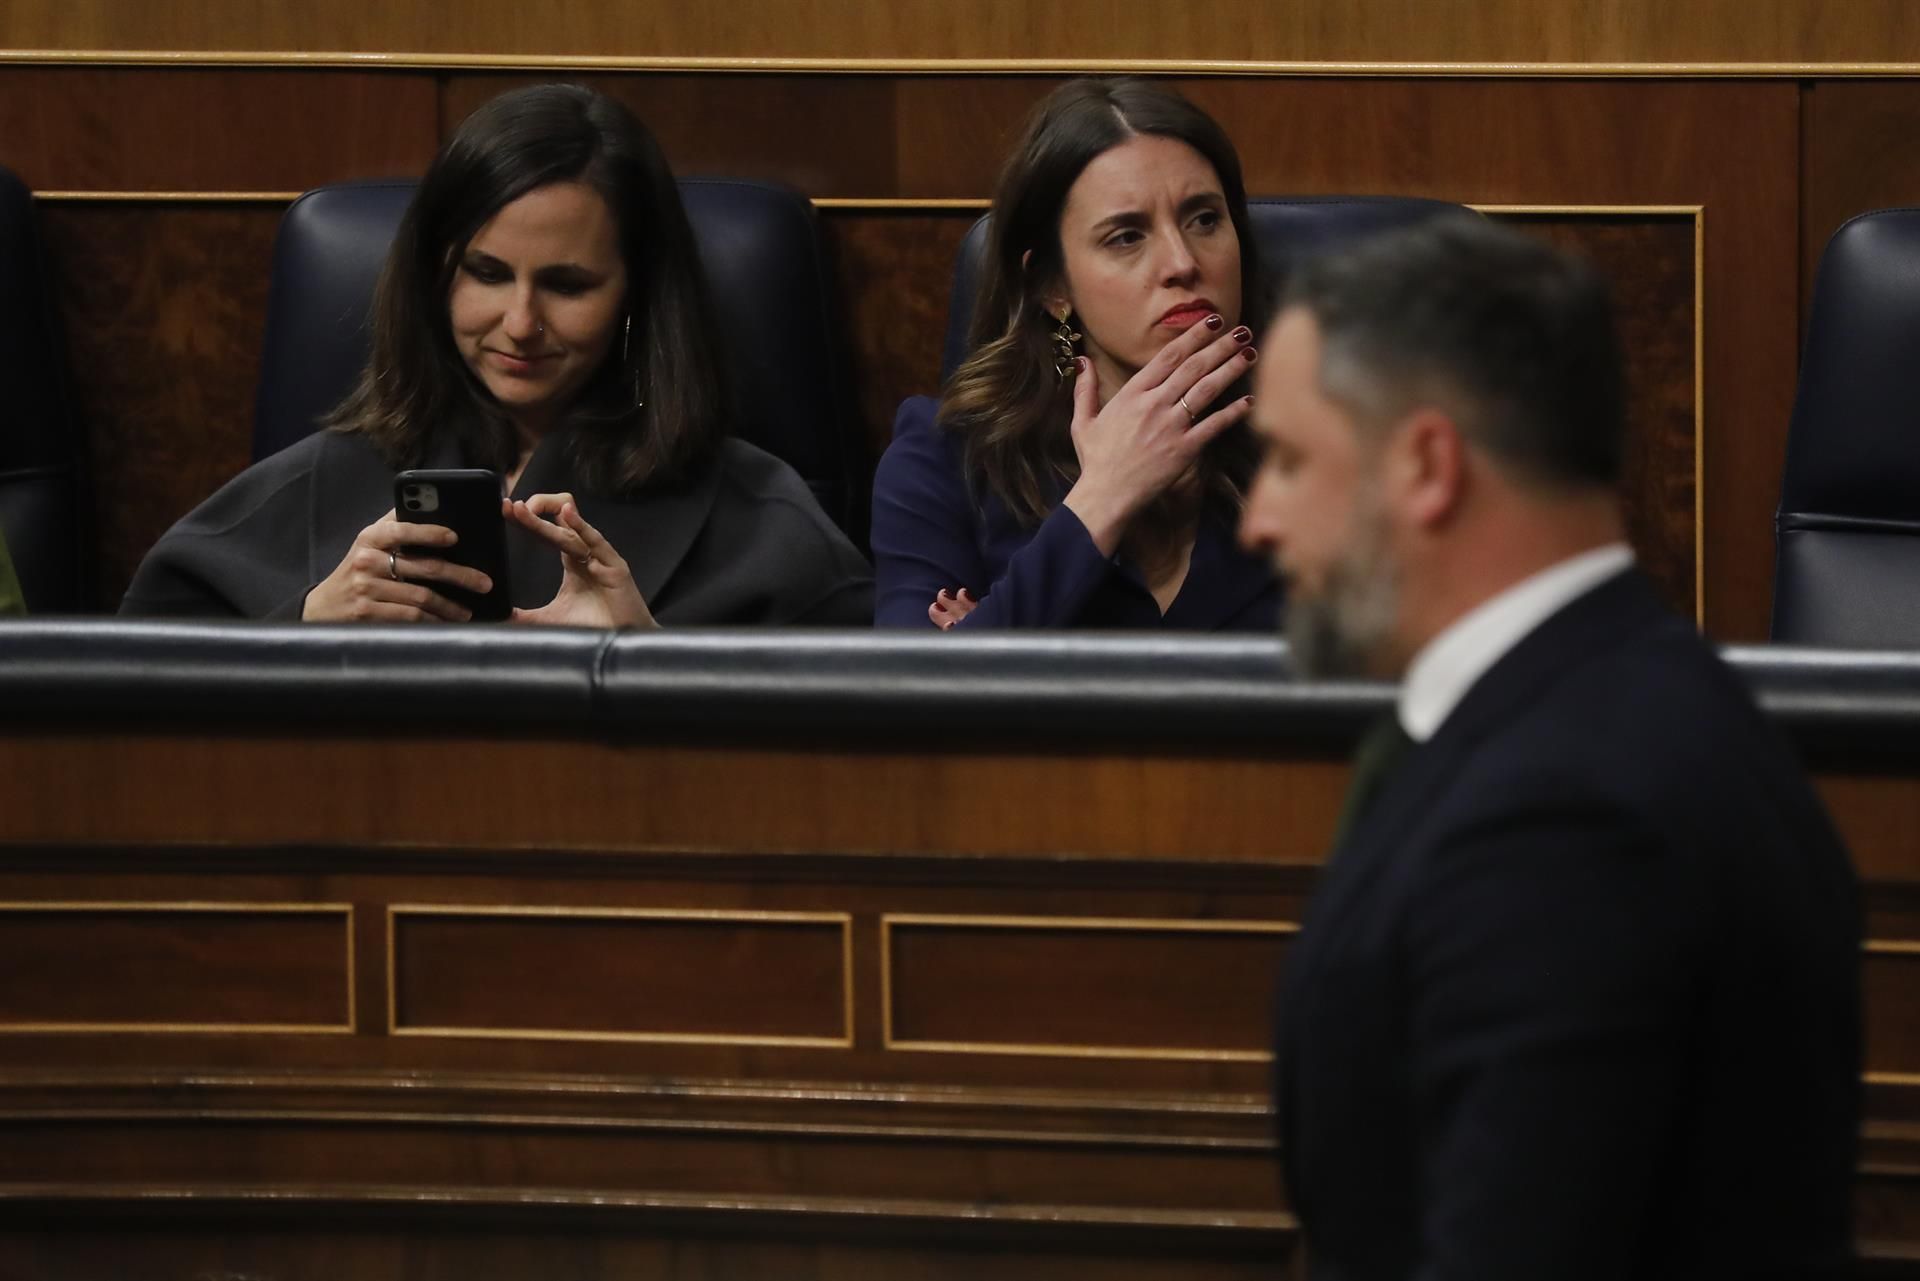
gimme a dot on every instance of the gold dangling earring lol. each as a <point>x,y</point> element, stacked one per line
<point>1065,348</point>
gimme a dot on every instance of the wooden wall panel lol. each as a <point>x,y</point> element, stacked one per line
<point>153,967</point>
<point>131,129</point>
<point>1074,986</point>
<point>681,976</point>
<point>164,306</point>
<point>1317,30</point>
<point>1860,151</point>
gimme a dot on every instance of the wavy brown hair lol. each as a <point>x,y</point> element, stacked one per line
<point>656,408</point>
<point>1005,398</point>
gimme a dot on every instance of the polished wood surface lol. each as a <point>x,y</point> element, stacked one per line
<point>1404,31</point>
<point>1056,966</point>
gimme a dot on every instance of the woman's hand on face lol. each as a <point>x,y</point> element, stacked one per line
<point>376,580</point>
<point>949,608</point>
<point>1145,438</point>
<point>596,587</point>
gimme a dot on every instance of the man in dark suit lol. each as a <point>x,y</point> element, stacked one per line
<point>1578,994</point>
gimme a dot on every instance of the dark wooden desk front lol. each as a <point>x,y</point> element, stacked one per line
<point>322,1000</point>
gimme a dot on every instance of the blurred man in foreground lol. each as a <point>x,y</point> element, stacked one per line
<point>1578,993</point>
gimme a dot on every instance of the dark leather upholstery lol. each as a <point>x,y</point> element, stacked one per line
<point>1847,533</point>
<point>41,448</point>
<point>1287,230</point>
<point>760,247</point>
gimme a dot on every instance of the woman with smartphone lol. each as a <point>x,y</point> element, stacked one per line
<point>541,317</point>
<point>1085,465</point>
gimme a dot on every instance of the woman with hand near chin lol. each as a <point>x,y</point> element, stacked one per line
<point>541,314</point>
<point>1086,464</point>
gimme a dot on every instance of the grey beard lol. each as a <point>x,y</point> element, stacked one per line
<point>1344,631</point>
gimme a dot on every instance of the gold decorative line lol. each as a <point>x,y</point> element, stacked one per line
<point>1145,924</point>
<point>169,197</point>
<point>1641,211</point>
<point>193,906</point>
<point>423,61</point>
<point>1891,947</point>
<point>1891,1078</point>
<point>642,1038</point>
<point>712,915</point>
<point>618,913</point>
<point>888,1041</point>
<point>1700,418</point>
<point>1153,1052</point>
<point>865,1209</point>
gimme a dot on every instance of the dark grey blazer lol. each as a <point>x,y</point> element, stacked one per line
<point>1579,996</point>
<point>744,542</point>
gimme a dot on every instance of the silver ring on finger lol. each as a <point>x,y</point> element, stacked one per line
<point>393,566</point>
<point>1191,416</point>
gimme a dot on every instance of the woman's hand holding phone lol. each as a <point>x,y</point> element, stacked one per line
<point>596,587</point>
<point>383,578</point>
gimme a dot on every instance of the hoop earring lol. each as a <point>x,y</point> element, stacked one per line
<point>1065,347</point>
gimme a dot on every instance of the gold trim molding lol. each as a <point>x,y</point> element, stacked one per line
<point>843,920</point>
<point>567,63</point>
<point>80,1028</point>
<point>888,1041</point>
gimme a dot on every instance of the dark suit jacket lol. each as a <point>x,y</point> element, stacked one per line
<point>1579,995</point>
<point>743,542</point>
<point>930,532</point>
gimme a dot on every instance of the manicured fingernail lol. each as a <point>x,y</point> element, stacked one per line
<point>1243,334</point>
<point>1214,322</point>
<point>1080,363</point>
<point>1251,355</point>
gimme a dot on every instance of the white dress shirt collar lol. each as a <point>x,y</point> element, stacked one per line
<point>1448,665</point>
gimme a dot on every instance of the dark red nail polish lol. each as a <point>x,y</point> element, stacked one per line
<point>1214,322</point>
<point>1243,334</point>
<point>1251,355</point>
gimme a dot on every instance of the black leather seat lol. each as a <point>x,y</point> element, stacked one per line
<point>1287,230</point>
<point>1847,533</point>
<point>42,472</point>
<point>760,247</point>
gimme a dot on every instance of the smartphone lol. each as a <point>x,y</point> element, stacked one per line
<point>467,501</point>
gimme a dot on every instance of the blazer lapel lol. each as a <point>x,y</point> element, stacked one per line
<point>1589,625</point>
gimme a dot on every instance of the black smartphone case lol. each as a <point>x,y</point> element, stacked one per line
<point>469,505</point>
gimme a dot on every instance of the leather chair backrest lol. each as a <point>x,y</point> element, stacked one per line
<point>1287,229</point>
<point>1847,533</point>
<point>759,245</point>
<point>42,453</point>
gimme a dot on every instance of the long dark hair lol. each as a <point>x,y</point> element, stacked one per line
<point>655,408</point>
<point>1006,398</point>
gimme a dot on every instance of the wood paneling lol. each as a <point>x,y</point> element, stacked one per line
<point>1318,30</point>
<point>164,307</point>
<point>161,788</point>
<point>85,967</point>
<point>1892,983</point>
<point>1066,986</point>
<point>547,972</point>
<point>132,129</point>
<point>1860,151</point>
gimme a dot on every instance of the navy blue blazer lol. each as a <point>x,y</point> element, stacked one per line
<point>930,532</point>
<point>1579,996</point>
